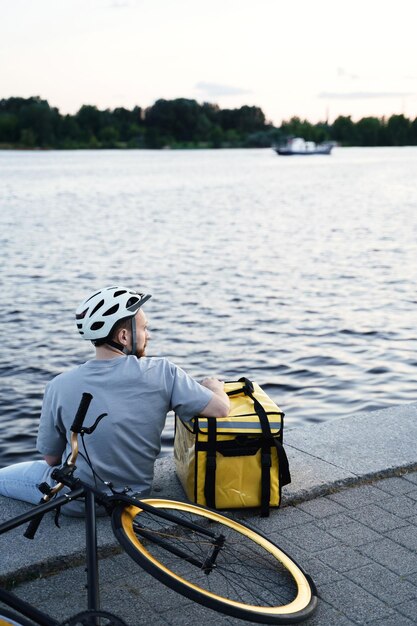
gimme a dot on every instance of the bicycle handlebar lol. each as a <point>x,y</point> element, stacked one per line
<point>81,413</point>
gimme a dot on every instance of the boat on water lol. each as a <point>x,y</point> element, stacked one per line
<point>297,145</point>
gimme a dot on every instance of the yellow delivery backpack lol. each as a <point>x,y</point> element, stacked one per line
<point>235,461</point>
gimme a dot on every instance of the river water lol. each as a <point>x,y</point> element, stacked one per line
<point>297,272</point>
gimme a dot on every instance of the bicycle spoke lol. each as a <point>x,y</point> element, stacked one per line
<point>235,565</point>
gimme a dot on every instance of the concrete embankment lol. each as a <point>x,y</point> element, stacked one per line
<point>354,473</point>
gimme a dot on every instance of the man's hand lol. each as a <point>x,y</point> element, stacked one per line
<point>219,405</point>
<point>213,383</point>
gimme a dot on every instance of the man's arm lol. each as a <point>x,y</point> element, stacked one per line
<point>219,405</point>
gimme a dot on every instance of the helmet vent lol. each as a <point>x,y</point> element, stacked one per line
<point>131,302</point>
<point>81,316</point>
<point>79,325</point>
<point>112,310</point>
<point>97,307</point>
<point>91,297</point>
<point>97,325</point>
<point>119,293</point>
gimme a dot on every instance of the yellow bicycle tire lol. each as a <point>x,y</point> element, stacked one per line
<point>10,618</point>
<point>298,609</point>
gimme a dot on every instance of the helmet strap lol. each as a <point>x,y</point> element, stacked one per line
<point>118,346</point>
<point>133,351</point>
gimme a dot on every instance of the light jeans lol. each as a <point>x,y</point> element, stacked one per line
<point>21,480</point>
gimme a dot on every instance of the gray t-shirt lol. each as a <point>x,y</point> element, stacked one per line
<point>136,394</point>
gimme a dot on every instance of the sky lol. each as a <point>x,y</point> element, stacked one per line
<point>315,59</point>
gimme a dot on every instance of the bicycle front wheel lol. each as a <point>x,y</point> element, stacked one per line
<point>222,564</point>
<point>10,618</point>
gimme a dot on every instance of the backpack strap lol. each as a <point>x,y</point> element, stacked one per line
<point>269,441</point>
<point>284,467</point>
<point>210,480</point>
<point>266,462</point>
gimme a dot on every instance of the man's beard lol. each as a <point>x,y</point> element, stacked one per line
<point>142,352</point>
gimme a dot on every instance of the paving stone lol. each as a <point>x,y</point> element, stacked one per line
<point>412,494</point>
<point>196,614</point>
<point>412,477</point>
<point>160,598</point>
<point>356,603</point>
<point>333,521</point>
<point>396,485</point>
<point>409,609</point>
<point>36,591</point>
<point>343,558</point>
<point>356,497</point>
<point>310,537</point>
<point>394,620</point>
<point>393,556</point>
<point>377,518</point>
<point>354,533</point>
<point>296,551</point>
<point>412,578</point>
<point>327,615</point>
<point>402,506</point>
<point>321,507</point>
<point>319,571</point>
<point>131,604</point>
<point>406,536</point>
<point>383,584</point>
<point>288,517</point>
<point>122,567</point>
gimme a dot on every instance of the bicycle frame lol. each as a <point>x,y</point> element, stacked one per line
<point>93,496</point>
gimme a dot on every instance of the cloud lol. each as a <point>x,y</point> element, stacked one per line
<point>342,73</point>
<point>214,90</point>
<point>362,95</point>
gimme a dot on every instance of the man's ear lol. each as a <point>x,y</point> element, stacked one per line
<point>123,336</point>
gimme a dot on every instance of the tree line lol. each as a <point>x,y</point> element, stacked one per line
<point>182,123</point>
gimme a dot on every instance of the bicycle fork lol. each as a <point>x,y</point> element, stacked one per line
<point>206,566</point>
<point>210,563</point>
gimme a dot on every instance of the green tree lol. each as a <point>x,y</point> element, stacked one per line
<point>413,132</point>
<point>368,131</point>
<point>344,131</point>
<point>296,127</point>
<point>91,120</point>
<point>216,136</point>
<point>27,138</point>
<point>37,116</point>
<point>108,136</point>
<point>398,128</point>
<point>179,119</point>
<point>9,128</point>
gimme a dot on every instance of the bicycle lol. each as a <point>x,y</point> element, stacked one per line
<point>209,558</point>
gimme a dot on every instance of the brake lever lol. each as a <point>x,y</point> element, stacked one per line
<point>92,428</point>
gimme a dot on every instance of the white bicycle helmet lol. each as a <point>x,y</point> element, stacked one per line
<point>97,315</point>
